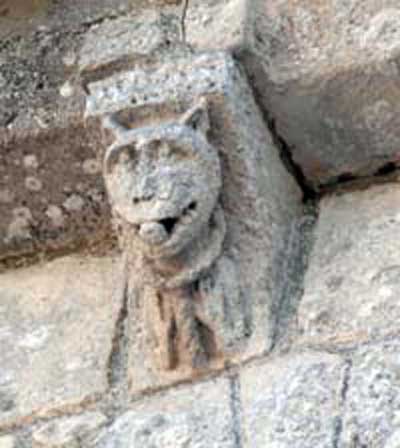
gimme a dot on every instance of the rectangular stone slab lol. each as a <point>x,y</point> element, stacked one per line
<point>57,325</point>
<point>291,402</point>
<point>261,200</point>
<point>351,286</point>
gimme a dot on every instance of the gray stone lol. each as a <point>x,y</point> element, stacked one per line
<point>197,416</point>
<point>69,432</point>
<point>372,416</point>
<point>353,278</point>
<point>292,402</point>
<point>326,74</point>
<point>57,324</point>
<point>259,201</point>
<point>127,40</point>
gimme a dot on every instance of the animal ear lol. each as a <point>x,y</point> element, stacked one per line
<point>197,117</point>
<point>111,123</point>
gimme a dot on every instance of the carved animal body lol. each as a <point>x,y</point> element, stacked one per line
<point>164,184</point>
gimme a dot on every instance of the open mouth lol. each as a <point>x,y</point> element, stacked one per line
<point>158,232</point>
<point>170,224</point>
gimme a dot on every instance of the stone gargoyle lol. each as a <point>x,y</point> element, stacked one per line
<point>164,184</point>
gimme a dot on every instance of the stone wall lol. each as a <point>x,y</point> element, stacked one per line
<point>198,207</point>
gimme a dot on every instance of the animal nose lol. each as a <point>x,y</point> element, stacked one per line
<point>153,233</point>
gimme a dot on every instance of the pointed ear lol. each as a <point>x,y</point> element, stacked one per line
<point>197,117</point>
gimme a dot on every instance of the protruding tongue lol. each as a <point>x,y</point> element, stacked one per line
<point>153,233</point>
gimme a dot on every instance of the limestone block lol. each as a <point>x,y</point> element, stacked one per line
<point>325,72</point>
<point>56,328</point>
<point>196,416</point>
<point>353,278</point>
<point>128,39</point>
<point>292,402</point>
<point>371,416</point>
<point>69,432</point>
<point>247,205</point>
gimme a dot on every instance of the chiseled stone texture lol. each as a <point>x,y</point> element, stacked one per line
<point>128,39</point>
<point>197,416</point>
<point>56,329</point>
<point>328,75</point>
<point>69,432</point>
<point>292,402</point>
<point>325,71</point>
<point>351,286</point>
<point>372,409</point>
<point>260,200</point>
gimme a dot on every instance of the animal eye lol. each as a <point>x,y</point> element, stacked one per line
<point>127,157</point>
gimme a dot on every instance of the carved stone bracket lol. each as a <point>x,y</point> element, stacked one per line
<point>164,184</point>
<point>203,209</point>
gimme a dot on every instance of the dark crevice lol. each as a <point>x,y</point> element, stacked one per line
<point>169,224</point>
<point>185,8</point>
<point>207,339</point>
<point>286,154</point>
<point>236,408</point>
<point>338,425</point>
<point>386,169</point>
<point>116,364</point>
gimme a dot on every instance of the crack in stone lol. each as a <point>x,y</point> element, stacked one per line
<point>185,8</point>
<point>236,412</point>
<point>117,369</point>
<point>338,426</point>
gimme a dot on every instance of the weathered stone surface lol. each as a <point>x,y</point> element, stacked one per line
<point>69,432</point>
<point>51,191</point>
<point>220,24</point>
<point>56,329</point>
<point>196,416</point>
<point>259,199</point>
<point>292,402</point>
<point>325,72</point>
<point>353,278</point>
<point>127,40</point>
<point>371,416</point>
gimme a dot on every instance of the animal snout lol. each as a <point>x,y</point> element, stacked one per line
<point>153,233</point>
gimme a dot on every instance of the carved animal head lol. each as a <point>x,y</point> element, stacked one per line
<point>164,182</point>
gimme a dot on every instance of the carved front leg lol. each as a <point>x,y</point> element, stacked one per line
<point>176,336</point>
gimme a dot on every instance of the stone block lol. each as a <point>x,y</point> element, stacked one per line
<point>197,416</point>
<point>127,40</point>
<point>371,414</point>
<point>326,73</point>
<point>353,277</point>
<point>292,402</point>
<point>69,432</point>
<point>259,202</point>
<point>57,323</point>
